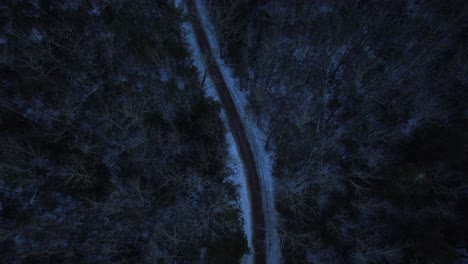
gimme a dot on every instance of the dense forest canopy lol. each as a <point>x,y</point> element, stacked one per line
<point>112,152</point>
<point>364,104</point>
<point>109,150</point>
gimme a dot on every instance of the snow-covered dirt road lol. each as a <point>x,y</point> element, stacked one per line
<point>263,237</point>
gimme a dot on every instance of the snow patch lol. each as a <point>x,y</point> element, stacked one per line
<point>36,35</point>
<point>239,179</point>
<point>94,11</point>
<point>198,61</point>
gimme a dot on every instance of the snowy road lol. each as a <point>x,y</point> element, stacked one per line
<point>240,137</point>
<point>262,236</point>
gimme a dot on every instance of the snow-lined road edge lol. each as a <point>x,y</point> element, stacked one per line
<point>234,162</point>
<point>256,139</point>
<point>239,134</point>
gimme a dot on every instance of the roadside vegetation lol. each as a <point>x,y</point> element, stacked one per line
<point>364,105</point>
<point>109,150</point>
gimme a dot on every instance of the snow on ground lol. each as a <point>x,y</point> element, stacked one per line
<point>234,162</point>
<point>256,139</point>
<point>239,179</point>
<point>198,60</point>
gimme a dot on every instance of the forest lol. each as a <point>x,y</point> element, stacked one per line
<point>110,152</point>
<point>113,151</point>
<point>364,104</point>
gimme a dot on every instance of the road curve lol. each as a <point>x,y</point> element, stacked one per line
<point>240,137</point>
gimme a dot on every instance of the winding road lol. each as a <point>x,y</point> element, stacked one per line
<point>240,137</point>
